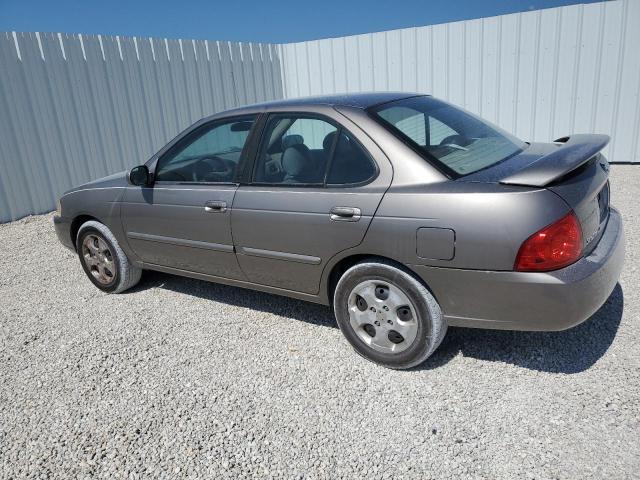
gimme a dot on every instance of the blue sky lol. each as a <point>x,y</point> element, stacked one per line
<point>248,20</point>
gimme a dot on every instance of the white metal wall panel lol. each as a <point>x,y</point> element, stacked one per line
<point>540,74</point>
<point>79,107</point>
<point>76,108</point>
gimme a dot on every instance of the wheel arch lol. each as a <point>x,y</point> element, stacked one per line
<point>76,223</point>
<point>349,261</point>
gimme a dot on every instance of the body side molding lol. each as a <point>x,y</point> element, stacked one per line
<point>181,241</point>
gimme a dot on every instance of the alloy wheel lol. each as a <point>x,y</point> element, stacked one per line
<point>98,258</point>
<point>382,316</point>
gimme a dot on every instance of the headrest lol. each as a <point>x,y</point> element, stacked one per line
<point>327,143</point>
<point>291,140</point>
<point>296,159</point>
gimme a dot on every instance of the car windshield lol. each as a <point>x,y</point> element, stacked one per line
<point>457,141</point>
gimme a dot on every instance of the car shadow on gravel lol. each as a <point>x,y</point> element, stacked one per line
<point>569,351</point>
<point>312,313</point>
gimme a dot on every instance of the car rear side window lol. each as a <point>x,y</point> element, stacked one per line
<point>305,150</point>
<point>350,163</point>
<point>454,140</point>
<point>294,151</point>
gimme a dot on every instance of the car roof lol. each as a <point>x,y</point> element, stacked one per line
<point>357,100</point>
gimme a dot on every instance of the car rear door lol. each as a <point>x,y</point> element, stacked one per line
<point>183,220</point>
<point>313,191</point>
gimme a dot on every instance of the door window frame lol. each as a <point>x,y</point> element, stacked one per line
<point>260,138</point>
<point>184,139</point>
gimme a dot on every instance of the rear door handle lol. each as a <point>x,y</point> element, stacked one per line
<point>215,206</point>
<point>345,214</point>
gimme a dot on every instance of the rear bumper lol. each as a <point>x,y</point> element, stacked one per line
<point>63,231</point>
<point>531,300</point>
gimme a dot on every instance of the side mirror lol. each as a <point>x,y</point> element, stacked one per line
<point>140,176</point>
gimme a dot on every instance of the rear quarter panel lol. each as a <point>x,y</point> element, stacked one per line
<point>489,222</point>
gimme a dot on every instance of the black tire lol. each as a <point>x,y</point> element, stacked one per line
<point>431,328</point>
<point>124,275</point>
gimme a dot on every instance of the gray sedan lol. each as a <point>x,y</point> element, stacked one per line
<point>405,213</point>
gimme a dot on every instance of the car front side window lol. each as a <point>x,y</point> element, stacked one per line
<point>209,154</point>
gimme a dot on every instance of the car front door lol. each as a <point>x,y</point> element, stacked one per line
<point>182,221</point>
<point>314,189</point>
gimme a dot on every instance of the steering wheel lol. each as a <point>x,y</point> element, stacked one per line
<point>170,175</point>
<point>213,169</point>
<point>455,141</point>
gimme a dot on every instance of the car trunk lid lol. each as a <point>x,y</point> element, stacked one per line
<point>586,190</point>
<point>573,168</point>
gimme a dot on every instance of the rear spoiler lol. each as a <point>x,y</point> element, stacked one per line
<point>575,151</point>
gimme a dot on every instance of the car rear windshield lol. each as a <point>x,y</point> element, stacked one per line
<point>456,141</point>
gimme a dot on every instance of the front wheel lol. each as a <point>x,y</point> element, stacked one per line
<point>103,260</point>
<point>387,314</point>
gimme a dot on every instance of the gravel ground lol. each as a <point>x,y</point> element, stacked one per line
<point>181,378</point>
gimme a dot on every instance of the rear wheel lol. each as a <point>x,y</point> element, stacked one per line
<point>103,260</point>
<point>388,315</point>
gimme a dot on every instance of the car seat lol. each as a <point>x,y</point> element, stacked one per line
<point>297,164</point>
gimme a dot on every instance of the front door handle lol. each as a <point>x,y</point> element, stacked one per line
<point>345,214</point>
<point>215,206</point>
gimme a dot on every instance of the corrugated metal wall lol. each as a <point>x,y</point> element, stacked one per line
<point>75,108</point>
<point>540,74</point>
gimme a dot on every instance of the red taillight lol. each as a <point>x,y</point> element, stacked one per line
<point>553,247</point>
